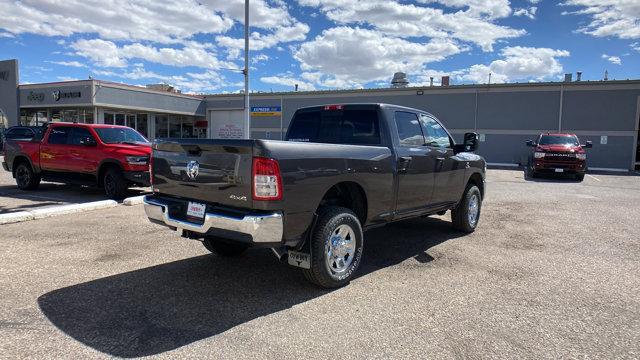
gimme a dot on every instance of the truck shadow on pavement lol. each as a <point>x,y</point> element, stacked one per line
<point>161,308</point>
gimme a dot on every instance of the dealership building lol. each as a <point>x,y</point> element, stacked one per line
<point>504,115</point>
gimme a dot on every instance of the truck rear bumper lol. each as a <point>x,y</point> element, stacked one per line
<point>263,228</point>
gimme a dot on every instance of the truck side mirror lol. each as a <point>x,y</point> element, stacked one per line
<point>530,143</point>
<point>470,141</point>
<point>587,145</point>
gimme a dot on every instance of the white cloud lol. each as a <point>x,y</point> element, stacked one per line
<point>6,35</point>
<point>256,59</point>
<point>261,41</point>
<point>612,59</point>
<point>635,46</point>
<point>529,12</point>
<point>108,54</point>
<point>190,83</point>
<point>473,24</point>
<point>158,21</point>
<point>348,57</point>
<point>288,80</point>
<point>69,63</point>
<point>518,63</point>
<point>620,18</point>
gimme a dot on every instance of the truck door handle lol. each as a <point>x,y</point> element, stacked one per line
<point>403,162</point>
<point>440,159</point>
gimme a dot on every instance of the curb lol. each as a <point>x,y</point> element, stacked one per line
<point>55,211</point>
<point>134,200</point>
<point>15,217</point>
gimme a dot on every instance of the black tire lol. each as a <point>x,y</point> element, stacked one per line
<point>224,248</point>
<point>531,172</point>
<point>460,215</point>
<point>114,184</point>
<point>26,178</point>
<point>323,269</point>
<point>580,177</point>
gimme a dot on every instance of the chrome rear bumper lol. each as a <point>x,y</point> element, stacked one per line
<point>263,228</point>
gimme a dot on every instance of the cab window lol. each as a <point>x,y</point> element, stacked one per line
<point>435,134</point>
<point>409,130</point>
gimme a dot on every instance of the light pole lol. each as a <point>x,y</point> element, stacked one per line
<point>247,110</point>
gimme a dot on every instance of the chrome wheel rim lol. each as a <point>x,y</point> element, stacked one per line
<point>340,250</point>
<point>474,209</point>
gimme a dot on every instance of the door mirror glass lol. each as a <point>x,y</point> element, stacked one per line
<point>530,143</point>
<point>470,141</point>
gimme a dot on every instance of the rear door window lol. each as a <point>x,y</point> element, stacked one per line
<point>59,135</point>
<point>409,130</point>
<point>349,126</point>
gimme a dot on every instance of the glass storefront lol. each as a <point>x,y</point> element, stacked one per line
<point>180,126</point>
<point>137,121</point>
<point>37,117</point>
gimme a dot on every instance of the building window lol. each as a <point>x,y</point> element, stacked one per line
<point>141,125</point>
<point>109,118</point>
<point>162,126</point>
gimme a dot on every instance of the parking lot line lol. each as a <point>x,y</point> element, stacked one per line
<point>593,177</point>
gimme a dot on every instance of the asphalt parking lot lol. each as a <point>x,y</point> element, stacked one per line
<point>48,194</point>
<point>551,272</point>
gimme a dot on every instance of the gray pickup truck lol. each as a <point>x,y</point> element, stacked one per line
<point>342,169</point>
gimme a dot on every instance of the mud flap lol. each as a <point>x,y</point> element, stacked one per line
<point>299,259</point>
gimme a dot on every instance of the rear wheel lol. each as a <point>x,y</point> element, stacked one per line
<point>336,248</point>
<point>114,183</point>
<point>26,179</point>
<point>466,215</point>
<point>222,247</point>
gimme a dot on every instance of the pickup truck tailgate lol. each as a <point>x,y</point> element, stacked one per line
<point>213,171</point>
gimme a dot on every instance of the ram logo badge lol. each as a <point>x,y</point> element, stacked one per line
<point>235,197</point>
<point>193,168</point>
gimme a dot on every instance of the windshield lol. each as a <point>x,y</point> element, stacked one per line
<point>120,136</point>
<point>558,140</point>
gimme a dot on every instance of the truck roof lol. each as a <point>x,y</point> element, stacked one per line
<point>380,105</point>
<point>98,126</point>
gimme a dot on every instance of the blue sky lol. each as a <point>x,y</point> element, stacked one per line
<point>320,44</point>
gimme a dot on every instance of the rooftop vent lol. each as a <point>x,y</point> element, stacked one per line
<point>445,81</point>
<point>578,75</point>
<point>399,80</point>
<point>568,77</point>
<point>163,87</point>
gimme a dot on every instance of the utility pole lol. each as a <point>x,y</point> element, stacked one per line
<point>247,110</point>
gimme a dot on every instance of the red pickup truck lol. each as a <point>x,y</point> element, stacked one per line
<point>558,153</point>
<point>112,157</point>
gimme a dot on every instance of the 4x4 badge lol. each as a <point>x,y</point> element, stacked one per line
<point>193,168</point>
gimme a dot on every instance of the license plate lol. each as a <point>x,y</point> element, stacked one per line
<point>559,170</point>
<point>298,259</point>
<point>196,210</point>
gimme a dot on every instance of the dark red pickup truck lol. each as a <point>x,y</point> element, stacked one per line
<point>112,157</point>
<point>558,154</point>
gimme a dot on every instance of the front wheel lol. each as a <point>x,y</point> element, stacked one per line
<point>466,215</point>
<point>580,176</point>
<point>114,183</point>
<point>336,248</point>
<point>26,179</point>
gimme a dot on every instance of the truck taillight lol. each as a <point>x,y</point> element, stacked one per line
<point>333,107</point>
<point>267,180</point>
